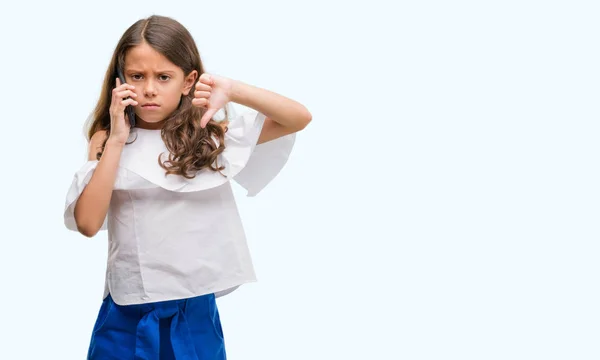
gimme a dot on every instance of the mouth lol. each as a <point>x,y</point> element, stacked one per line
<point>150,106</point>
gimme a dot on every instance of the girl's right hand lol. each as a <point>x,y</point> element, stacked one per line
<point>119,125</point>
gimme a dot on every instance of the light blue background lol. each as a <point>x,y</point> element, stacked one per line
<point>443,203</point>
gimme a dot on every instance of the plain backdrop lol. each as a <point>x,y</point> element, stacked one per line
<point>442,204</point>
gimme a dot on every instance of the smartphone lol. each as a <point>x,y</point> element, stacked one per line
<point>128,109</point>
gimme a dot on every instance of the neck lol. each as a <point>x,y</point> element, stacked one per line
<point>140,123</point>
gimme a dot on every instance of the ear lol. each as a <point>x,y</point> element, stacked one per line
<point>190,80</point>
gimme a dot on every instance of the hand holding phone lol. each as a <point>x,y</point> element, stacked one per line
<point>128,109</point>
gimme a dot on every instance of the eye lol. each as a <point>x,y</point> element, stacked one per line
<point>136,77</point>
<point>164,77</point>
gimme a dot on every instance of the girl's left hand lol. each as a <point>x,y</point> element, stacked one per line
<point>212,93</point>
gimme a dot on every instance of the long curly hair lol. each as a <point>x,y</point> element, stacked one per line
<point>191,148</point>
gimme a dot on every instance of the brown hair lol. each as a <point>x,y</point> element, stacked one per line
<point>191,148</point>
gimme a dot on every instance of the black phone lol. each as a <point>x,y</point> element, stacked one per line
<point>128,109</point>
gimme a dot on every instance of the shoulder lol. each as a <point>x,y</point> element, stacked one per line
<point>95,144</point>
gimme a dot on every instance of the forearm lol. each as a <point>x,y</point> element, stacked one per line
<point>92,206</point>
<point>282,110</point>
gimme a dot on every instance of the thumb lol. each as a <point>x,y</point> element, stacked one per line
<point>207,116</point>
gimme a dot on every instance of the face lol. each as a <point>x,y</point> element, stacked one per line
<point>159,84</point>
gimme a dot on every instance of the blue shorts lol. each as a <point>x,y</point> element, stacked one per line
<point>179,329</point>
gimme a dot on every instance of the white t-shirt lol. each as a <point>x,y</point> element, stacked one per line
<point>170,237</point>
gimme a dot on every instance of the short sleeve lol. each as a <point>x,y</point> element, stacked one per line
<point>265,163</point>
<point>80,181</point>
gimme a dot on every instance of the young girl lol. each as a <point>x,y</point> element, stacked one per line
<point>162,190</point>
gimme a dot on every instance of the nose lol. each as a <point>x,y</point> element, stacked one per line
<point>150,89</point>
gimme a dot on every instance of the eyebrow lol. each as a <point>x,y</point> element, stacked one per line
<point>171,72</point>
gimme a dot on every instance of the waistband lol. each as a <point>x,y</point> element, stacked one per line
<point>148,328</point>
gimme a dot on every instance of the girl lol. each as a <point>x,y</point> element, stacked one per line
<point>161,189</point>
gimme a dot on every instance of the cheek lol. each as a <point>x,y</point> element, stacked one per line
<point>173,97</point>
<point>174,89</point>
